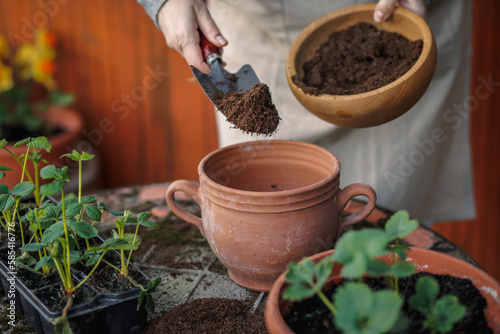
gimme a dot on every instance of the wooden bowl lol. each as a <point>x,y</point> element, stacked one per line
<point>377,106</point>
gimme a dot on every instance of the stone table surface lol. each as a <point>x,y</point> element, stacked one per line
<point>193,271</point>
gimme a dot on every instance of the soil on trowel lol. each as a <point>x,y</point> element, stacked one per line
<point>358,59</point>
<point>210,316</point>
<point>312,316</point>
<point>251,111</point>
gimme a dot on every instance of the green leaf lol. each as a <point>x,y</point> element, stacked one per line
<point>142,297</point>
<point>51,188</point>
<point>4,189</point>
<point>53,232</point>
<point>143,215</point>
<point>402,269</point>
<point>5,169</point>
<point>400,225</point>
<point>377,267</point>
<point>48,172</point>
<point>61,325</point>
<point>33,247</point>
<point>6,202</point>
<point>298,292</point>
<point>92,260</point>
<point>73,209</point>
<point>89,199</point>
<point>23,189</point>
<point>22,142</point>
<point>154,283</point>
<point>130,239</point>
<point>301,273</point>
<point>93,212</point>
<point>86,156</point>
<point>361,310</point>
<point>84,230</point>
<point>41,143</point>
<point>113,243</point>
<point>426,291</point>
<point>447,311</point>
<point>355,268</point>
<point>75,156</point>
<point>43,262</point>
<point>148,223</point>
<point>3,143</point>
<point>150,304</point>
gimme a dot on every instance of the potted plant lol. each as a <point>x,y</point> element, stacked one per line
<point>59,247</point>
<point>373,283</point>
<point>31,104</point>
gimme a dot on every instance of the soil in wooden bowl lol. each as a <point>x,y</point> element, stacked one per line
<point>358,59</point>
<point>312,316</point>
<point>252,111</point>
<point>209,315</point>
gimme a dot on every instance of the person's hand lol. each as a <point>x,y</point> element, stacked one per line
<point>179,21</point>
<point>384,8</point>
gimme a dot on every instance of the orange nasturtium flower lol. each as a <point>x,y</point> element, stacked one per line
<point>43,70</point>
<point>6,81</point>
<point>45,39</point>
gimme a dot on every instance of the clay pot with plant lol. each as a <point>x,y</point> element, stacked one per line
<point>58,248</point>
<point>267,203</point>
<point>31,105</point>
<point>374,283</point>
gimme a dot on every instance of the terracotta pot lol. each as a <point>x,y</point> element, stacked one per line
<point>69,121</point>
<point>425,260</point>
<point>267,203</point>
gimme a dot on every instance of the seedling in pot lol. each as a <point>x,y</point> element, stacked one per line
<point>126,255</point>
<point>355,307</point>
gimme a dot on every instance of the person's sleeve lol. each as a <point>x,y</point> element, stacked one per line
<point>152,7</point>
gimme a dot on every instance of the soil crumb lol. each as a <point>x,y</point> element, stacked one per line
<point>358,59</point>
<point>210,316</point>
<point>252,111</point>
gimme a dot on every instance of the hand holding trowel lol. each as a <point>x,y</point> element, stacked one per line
<point>241,97</point>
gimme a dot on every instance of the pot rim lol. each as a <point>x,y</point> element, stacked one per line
<point>325,184</point>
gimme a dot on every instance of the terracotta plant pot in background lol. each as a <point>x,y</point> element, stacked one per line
<point>69,122</point>
<point>425,261</point>
<point>267,203</point>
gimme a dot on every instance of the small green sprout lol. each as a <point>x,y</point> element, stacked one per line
<point>441,314</point>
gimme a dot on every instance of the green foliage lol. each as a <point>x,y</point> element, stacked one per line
<point>358,309</point>
<point>58,230</point>
<point>441,314</point>
<point>306,278</point>
<point>363,311</point>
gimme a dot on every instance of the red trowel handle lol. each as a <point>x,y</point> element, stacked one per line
<point>208,48</point>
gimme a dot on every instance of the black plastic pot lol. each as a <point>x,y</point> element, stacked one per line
<point>104,313</point>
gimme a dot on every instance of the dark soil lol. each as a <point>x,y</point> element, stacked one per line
<point>358,59</point>
<point>14,134</point>
<point>170,241</point>
<point>209,316</point>
<point>35,281</point>
<point>311,316</point>
<point>55,299</point>
<point>252,111</point>
<point>109,280</point>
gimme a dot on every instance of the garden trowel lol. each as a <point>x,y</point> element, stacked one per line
<point>219,81</point>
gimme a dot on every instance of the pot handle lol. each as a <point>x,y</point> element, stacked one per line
<point>192,189</point>
<point>349,192</point>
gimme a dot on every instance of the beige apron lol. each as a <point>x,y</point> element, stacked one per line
<point>419,162</point>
